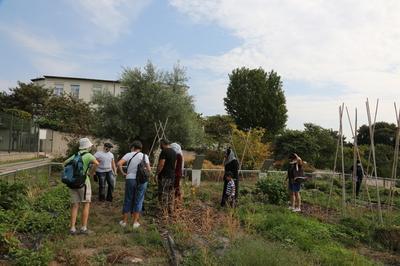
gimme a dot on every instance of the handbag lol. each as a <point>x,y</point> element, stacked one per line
<point>142,173</point>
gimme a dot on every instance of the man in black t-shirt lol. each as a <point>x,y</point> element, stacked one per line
<point>166,174</point>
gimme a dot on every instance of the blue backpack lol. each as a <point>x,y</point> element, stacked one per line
<point>74,175</point>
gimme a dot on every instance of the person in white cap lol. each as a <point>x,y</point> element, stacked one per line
<point>83,195</point>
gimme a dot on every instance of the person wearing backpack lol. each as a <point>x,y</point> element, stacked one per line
<point>137,175</point>
<point>295,171</point>
<point>78,168</point>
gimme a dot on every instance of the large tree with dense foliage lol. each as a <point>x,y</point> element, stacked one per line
<point>27,97</point>
<point>385,133</point>
<point>151,96</point>
<point>255,98</point>
<point>314,144</point>
<point>67,114</point>
<point>218,129</point>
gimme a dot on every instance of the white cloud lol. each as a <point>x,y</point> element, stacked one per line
<point>111,18</point>
<point>351,43</point>
<point>34,43</point>
<point>47,54</point>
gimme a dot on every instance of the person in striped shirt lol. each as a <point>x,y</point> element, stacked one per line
<point>230,190</point>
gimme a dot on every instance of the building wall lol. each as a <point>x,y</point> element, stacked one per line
<point>86,87</point>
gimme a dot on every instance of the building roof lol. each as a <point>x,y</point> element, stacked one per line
<point>74,78</point>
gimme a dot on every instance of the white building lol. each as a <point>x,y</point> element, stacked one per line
<point>82,88</point>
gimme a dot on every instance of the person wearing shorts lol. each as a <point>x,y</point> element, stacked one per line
<point>295,170</point>
<point>83,195</point>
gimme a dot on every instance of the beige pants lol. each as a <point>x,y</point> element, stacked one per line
<point>78,194</point>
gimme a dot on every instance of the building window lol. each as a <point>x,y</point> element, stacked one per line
<point>75,90</point>
<point>97,88</point>
<point>58,89</point>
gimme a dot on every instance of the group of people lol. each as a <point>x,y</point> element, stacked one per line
<point>102,168</point>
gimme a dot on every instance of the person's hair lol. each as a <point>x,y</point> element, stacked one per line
<point>108,145</point>
<point>228,173</point>
<point>165,142</point>
<point>292,156</point>
<point>228,151</point>
<point>358,161</point>
<point>137,144</point>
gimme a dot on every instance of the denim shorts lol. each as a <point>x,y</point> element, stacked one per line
<point>134,196</point>
<point>294,187</point>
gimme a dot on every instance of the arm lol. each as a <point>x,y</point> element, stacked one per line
<point>160,166</point>
<point>94,163</point>
<point>120,164</point>
<point>114,167</point>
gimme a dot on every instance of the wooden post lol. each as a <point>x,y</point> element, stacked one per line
<point>343,176</point>
<point>336,157</point>
<point>395,158</point>
<point>374,162</point>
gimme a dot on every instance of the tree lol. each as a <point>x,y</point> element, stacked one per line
<point>30,98</point>
<point>67,114</point>
<point>297,141</point>
<point>256,151</point>
<point>255,98</point>
<point>326,140</point>
<point>151,96</point>
<point>218,129</point>
<point>315,144</point>
<point>385,133</point>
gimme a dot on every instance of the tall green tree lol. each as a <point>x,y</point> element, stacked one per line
<point>255,98</point>
<point>27,97</point>
<point>384,133</point>
<point>151,96</point>
<point>67,114</point>
<point>218,129</point>
<point>314,144</point>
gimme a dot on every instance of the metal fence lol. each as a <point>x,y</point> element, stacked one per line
<point>18,135</point>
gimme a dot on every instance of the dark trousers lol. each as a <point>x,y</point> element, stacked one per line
<point>166,192</point>
<point>106,178</point>
<point>224,198</point>
<point>358,186</point>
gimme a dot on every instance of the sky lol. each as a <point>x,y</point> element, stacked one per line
<point>327,52</point>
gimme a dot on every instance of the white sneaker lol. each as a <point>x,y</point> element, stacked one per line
<point>122,223</point>
<point>136,225</point>
<point>297,210</point>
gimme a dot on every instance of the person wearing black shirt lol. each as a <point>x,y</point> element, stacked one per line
<point>360,175</point>
<point>166,174</point>
<point>231,166</point>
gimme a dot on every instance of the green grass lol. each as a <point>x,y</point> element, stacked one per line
<point>307,234</point>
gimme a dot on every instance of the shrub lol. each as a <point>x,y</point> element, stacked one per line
<point>12,196</point>
<point>389,237</point>
<point>271,190</point>
<point>30,257</point>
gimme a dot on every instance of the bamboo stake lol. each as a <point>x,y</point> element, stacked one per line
<point>343,176</point>
<point>357,150</point>
<point>374,162</point>
<point>244,150</point>
<point>335,162</point>
<point>395,158</point>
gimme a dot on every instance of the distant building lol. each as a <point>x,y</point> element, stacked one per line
<point>82,88</point>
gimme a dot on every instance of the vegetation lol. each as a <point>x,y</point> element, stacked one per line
<point>255,98</point>
<point>151,96</point>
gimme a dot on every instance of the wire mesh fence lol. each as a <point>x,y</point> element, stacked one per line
<point>17,134</point>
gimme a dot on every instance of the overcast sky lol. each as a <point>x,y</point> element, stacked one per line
<point>327,52</point>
